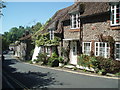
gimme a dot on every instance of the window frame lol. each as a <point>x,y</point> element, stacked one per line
<point>83,50</point>
<point>51,34</point>
<point>105,56</point>
<point>115,51</point>
<point>48,51</point>
<point>114,9</point>
<point>75,22</point>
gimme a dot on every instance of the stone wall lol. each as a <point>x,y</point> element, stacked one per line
<point>71,33</point>
<point>91,30</point>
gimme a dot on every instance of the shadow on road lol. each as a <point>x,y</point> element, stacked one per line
<point>29,79</point>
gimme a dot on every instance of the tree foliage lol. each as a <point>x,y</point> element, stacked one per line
<point>37,27</point>
<point>2,5</point>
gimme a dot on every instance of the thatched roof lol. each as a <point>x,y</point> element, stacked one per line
<point>91,8</point>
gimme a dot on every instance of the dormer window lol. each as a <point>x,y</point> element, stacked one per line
<point>115,14</point>
<point>51,34</point>
<point>75,24</point>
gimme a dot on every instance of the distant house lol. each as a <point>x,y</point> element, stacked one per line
<point>11,46</point>
<point>93,28</point>
<point>24,47</point>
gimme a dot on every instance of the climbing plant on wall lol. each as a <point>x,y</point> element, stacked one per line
<point>44,40</point>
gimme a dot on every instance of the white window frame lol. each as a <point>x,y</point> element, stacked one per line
<point>48,51</point>
<point>105,56</point>
<point>77,21</point>
<point>114,9</point>
<point>83,50</point>
<point>51,34</point>
<point>115,50</point>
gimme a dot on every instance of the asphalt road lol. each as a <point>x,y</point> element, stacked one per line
<point>21,75</point>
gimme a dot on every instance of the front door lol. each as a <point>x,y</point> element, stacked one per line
<point>73,52</point>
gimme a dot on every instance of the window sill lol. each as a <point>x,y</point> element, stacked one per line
<point>117,59</point>
<point>115,27</point>
<point>74,30</point>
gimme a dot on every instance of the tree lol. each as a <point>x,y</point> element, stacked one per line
<point>1,7</point>
<point>5,42</point>
<point>36,27</point>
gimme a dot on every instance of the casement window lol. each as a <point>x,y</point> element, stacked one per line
<point>51,34</point>
<point>102,49</point>
<point>48,51</point>
<point>86,48</point>
<point>115,14</point>
<point>75,23</point>
<point>117,50</point>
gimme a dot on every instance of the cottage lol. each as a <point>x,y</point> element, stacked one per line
<point>54,33</point>
<point>24,47</point>
<point>92,28</point>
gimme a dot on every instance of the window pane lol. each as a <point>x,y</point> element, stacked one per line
<point>74,21</point>
<point>87,48</point>
<point>112,6</point>
<point>117,51</point>
<point>104,49</point>
<point>117,45</point>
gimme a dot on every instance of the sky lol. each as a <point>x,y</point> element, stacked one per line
<point>28,13</point>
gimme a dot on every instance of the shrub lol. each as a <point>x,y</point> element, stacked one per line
<point>61,60</point>
<point>53,60</point>
<point>30,62</point>
<point>104,63</point>
<point>114,66</point>
<point>42,57</point>
<point>84,60</point>
<point>99,63</point>
<point>109,65</point>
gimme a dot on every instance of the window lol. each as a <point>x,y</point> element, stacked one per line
<point>102,49</point>
<point>117,50</point>
<point>87,48</point>
<point>75,23</point>
<point>51,34</point>
<point>48,51</point>
<point>115,14</point>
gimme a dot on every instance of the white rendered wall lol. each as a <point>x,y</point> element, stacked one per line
<point>36,52</point>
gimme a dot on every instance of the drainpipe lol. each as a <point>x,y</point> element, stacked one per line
<point>81,30</point>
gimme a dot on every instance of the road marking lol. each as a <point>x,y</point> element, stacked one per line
<point>16,81</point>
<point>74,72</point>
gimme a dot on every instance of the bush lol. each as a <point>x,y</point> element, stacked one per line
<point>42,57</point>
<point>99,63</point>
<point>30,62</point>
<point>109,65</point>
<point>85,60</point>
<point>61,60</point>
<point>53,60</point>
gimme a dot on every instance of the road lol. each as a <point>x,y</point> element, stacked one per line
<point>17,74</point>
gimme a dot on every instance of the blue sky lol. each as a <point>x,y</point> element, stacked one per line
<point>28,13</point>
